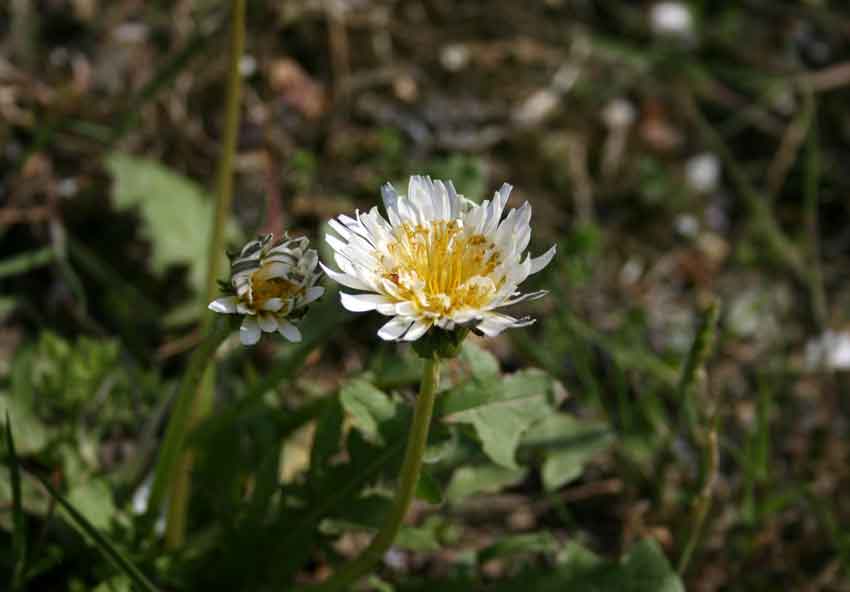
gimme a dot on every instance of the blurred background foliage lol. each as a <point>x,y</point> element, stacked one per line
<point>679,153</point>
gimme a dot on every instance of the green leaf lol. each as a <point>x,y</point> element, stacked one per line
<point>481,363</point>
<point>643,569</point>
<point>327,439</point>
<point>368,408</point>
<point>25,262</point>
<point>99,540</point>
<point>428,489</point>
<point>568,445</point>
<point>32,435</point>
<point>500,410</point>
<point>533,542</point>
<point>93,499</point>
<point>19,525</point>
<point>471,480</point>
<point>176,212</point>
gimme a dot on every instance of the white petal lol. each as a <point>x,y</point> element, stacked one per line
<point>267,322</point>
<point>493,323</point>
<point>289,331</point>
<point>394,329</point>
<point>339,228</point>
<point>538,263</point>
<point>273,304</point>
<point>347,280</point>
<point>523,297</point>
<point>405,309</point>
<point>225,305</point>
<point>361,302</point>
<point>249,332</point>
<point>312,294</point>
<point>418,329</point>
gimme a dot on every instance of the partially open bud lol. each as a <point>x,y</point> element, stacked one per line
<point>271,283</point>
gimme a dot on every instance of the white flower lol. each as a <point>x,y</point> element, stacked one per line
<point>441,260</point>
<point>272,283</point>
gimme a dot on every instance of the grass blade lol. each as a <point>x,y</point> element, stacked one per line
<point>101,542</point>
<point>19,526</point>
<point>24,262</point>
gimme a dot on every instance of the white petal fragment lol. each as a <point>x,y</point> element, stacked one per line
<point>313,294</point>
<point>267,322</point>
<point>349,281</point>
<point>418,329</point>
<point>249,332</point>
<point>538,263</point>
<point>361,302</point>
<point>393,330</point>
<point>225,305</point>
<point>290,331</point>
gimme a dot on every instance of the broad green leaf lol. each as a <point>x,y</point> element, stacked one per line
<point>430,536</point>
<point>93,500</point>
<point>33,498</point>
<point>31,435</point>
<point>116,584</point>
<point>471,480</point>
<point>176,212</point>
<point>533,542</point>
<point>442,442</point>
<point>368,408</point>
<point>481,363</point>
<point>99,540</point>
<point>428,489</point>
<point>19,524</point>
<point>643,569</point>
<point>501,410</point>
<point>568,444</point>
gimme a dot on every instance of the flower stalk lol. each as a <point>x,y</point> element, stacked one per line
<point>175,435</point>
<point>408,479</point>
<point>199,401</point>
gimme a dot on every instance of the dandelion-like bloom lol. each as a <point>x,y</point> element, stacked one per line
<point>271,283</point>
<point>440,261</point>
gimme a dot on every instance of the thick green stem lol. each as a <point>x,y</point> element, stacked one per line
<point>408,478</point>
<point>201,403</point>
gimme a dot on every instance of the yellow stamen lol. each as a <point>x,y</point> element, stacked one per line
<point>452,269</point>
<point>265,286</point>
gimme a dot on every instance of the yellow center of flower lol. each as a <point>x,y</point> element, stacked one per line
<point>266,286</point>
<point>440,269</point>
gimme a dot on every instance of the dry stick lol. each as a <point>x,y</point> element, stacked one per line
<point>201,402</point>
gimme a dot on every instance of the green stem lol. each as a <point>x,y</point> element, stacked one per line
<point>702,503</point>
<point>201,401</point>
<point>408,478</point>
<point>176,432</point>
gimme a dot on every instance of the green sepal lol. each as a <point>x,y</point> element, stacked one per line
<point>439,342</point>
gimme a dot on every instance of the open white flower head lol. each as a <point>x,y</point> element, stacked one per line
<point>440,261</point>
<point>271,284</point>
